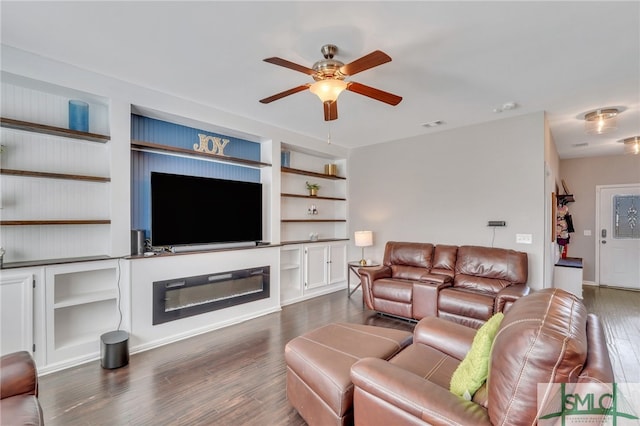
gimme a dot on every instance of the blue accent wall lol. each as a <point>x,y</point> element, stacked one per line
<point>165,133</point>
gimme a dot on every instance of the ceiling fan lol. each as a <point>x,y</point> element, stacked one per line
<point>329,75</point>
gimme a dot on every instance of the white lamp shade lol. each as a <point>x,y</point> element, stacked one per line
<point>328,90</point>
<point>364,238</point>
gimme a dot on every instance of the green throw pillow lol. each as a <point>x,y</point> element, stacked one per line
<point>474,368</point>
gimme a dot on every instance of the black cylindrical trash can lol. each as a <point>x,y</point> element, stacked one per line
<point>114,349</point>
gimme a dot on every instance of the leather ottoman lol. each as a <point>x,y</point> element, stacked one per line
<point>319,365</point>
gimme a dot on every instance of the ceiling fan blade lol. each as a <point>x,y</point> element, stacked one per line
<point>285,93</point>
<point>330,110</point>
<point>290,65</point>
<point>373,93</point>
<point>371,60</point>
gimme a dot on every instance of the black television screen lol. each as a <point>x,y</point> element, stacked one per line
<point>197,210</point>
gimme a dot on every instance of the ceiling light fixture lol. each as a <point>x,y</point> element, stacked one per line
<point>601,121</point>
<point>328,90</point>
<point>631,145</point>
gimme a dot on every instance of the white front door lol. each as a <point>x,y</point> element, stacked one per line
<point>619,236</point>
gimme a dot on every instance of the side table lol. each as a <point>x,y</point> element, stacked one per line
<point>353,266</point>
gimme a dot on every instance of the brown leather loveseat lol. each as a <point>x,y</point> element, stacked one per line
<point>545,339</point>
<point>19,390</point>
<point>465,284</point>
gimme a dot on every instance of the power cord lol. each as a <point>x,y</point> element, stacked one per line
<point>119,295</point>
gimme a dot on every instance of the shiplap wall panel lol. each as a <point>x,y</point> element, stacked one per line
<point>165,133</point>
<point>27,243</point>
<point>36,198</point>
<point>26,104</point>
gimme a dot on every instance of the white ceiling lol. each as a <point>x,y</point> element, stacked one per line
<point>452,61</point>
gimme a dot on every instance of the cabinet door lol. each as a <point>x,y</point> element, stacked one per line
<point>337,263</point>
<point>315,266</point>
<point>16,301</point>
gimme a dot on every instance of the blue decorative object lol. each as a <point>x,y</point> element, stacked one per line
<point>79,116</point>
<point>285,158</point>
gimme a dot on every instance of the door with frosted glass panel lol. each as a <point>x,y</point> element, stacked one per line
<point>619,236</point>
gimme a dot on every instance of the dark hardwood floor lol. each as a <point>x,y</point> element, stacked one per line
<point>236,375</point>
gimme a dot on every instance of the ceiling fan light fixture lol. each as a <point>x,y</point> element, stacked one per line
<point>601,121</point>
<point>631,145</point>
<point>328,90</point>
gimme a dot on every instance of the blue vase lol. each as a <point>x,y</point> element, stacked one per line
<point>79,116</point>
<point>285,158</point>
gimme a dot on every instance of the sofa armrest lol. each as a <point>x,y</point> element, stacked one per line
<point>367,277</point>
<point>376,381</point>
<point>18,375</point>
<point>446,336</point>
<point>425,295</point>
<point>508,295</point>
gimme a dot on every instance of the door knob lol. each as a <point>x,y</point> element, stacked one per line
<point>603,242</point>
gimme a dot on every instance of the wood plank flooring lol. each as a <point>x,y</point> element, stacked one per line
<point>236,375</point>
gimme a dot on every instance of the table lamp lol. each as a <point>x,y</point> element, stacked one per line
<point>363,239</point>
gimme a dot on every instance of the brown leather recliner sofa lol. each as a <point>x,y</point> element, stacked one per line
<point>545,338</point>
<point>19,390</point>
<point>465,284</point>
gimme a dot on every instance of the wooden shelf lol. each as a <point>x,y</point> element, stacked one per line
<point>311,220</point>
<point>51,130</point>
<point>313,198</point>
<point>172,150</point>
<point>308,173</point>
<point>321,240</point>
<point>55,222</point>
<point>49,175</point>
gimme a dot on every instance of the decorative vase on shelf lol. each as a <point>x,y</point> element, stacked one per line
<point>78,115</point>
<point>313,189</point>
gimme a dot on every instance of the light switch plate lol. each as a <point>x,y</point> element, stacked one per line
<point>524,238</point>
<point>587,232</point>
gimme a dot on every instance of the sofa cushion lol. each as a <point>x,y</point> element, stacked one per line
<point>419,255</point>
<point>465,303</point>
<point>542,339</point>
<point>392,289</point>
<point>444,260</point>
<point>489,262</point>
<point>433,365</point>
<point>474,368</point>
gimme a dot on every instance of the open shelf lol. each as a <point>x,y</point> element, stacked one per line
<point>52,130</point>
<point>81,299</point>
<point>308,173</point>
<point>172,150</point>
<point>316,197</point>
<point>49,175</point>
<point>55,222</point>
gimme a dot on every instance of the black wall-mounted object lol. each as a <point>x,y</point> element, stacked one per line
<point>497,223</point>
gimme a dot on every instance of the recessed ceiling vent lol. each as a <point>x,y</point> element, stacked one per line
<point>433,124</point>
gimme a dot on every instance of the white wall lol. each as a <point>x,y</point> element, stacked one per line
<point>443,188</point>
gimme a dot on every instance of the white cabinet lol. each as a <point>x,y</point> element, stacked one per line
<point>312,269</point>
<point>325,266</point>
<point>83,301</point>
<point>567,275</point>
<point>16,303</point>
<point>316,266</point>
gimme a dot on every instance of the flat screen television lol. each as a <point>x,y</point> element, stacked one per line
<point>191,210</point>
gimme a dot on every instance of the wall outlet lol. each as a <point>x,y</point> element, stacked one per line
<point>524,239</point>
<point>497,223</point>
